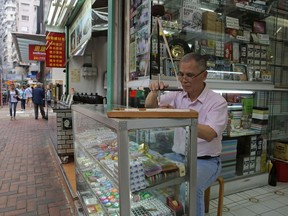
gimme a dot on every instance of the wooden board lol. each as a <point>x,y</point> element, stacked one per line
<point>152,113</point>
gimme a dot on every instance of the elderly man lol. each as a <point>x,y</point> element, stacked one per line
<point>38,96</point>
<point>212,109</point>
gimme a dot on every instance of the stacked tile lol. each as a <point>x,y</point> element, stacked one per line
<point>260,119</point>
<point>228,157</point>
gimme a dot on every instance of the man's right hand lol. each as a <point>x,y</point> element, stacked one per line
<point>155,86</point>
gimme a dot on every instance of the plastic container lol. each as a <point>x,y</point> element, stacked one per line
<point>282,171</point>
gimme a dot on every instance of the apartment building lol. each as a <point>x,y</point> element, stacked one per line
<point>15,16</point>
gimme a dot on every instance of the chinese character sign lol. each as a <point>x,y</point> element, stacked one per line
<point>55,50</point>
<point>37,52</point>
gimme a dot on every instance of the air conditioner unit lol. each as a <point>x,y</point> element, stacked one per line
<point>89,71</point>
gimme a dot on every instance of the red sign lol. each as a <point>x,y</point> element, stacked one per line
<point>55,50</point>
<point>37,52</point>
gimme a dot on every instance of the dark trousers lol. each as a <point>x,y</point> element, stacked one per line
<point>23,103</point>
<point>41,110</point>
<point>14,104</point>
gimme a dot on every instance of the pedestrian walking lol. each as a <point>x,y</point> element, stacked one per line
<point>13,98</point>
<point>28,92</point>
<point>38,96</point>
<point>22,95</point>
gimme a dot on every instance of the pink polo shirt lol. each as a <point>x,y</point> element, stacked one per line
<point>212,109</point>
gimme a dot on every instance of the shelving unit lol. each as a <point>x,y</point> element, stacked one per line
<point>262,89</point>
<point>96,134</point>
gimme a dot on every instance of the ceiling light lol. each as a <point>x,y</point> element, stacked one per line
<point>233,92</point>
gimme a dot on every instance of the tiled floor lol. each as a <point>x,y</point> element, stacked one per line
<point>263,201</point>
<point>30,180</point>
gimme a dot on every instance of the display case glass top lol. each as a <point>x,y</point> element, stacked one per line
<point>121,164</point>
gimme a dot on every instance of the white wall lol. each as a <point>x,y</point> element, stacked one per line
<point>97,48</point>
<point>57,74</point>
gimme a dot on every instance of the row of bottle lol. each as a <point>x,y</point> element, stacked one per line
<point>89,99</point>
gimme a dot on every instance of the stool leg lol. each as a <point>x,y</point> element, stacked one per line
<point>220,196</point>
<point>207,199</point>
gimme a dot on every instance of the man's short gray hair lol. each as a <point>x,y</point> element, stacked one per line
<point>200,60</point>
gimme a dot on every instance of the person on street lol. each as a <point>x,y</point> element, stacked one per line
<point>38,96</point>
<point>22,95</point>
<point>28,92</point>
<point>212,120</point>
<point>13,98</point>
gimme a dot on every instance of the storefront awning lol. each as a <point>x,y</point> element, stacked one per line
<point>22,42</point>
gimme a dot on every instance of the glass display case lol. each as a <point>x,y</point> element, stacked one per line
<point>121,168</point>
<point>279,126</point>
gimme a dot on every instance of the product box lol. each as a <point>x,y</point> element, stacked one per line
<point>220,27</point>
<point>257,51</point>
<point>281,150</point>
<point>243,53</point>
<point>281,171</point>
<point>232,22</point>
<point>209,21</point>
<point>263,52</point>
<point>209,26</point>
<point>250,50</point>
<point>208,16</point>
<point>236,54</point>
<point>228,51</point>
<point>245,165</point>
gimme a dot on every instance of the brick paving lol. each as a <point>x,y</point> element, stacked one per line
<point>30,180</point>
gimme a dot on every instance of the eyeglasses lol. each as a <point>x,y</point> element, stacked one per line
<point>189,76</point>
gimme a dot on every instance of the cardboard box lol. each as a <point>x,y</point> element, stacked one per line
<point>209,16</point>
<point>220,27</point>
<point>281,150</point>
<point>209,21</point>
<point>209,26</point>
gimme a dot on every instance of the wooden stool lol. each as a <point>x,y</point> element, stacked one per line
<point>220,197</point>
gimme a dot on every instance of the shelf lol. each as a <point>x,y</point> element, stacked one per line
<point>169,183</point>
<point>82,203</point>
<point>93,193</point>
<point>278,65</point>
<point>223,37</point>
<point>279,114</point>
<point>281,137</point>
<point>105,171</point>
<point>278,40</point>
<point>212,84</point>
<point>245,133</point>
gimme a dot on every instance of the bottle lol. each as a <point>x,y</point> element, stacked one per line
<point>269,166</point>
<point>272,180</point>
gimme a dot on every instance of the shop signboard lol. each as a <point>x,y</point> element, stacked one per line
<point>55,50</point>
<point>81,29</point>
<point>37,52</point>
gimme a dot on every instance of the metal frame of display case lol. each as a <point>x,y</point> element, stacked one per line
<point>122,126</point>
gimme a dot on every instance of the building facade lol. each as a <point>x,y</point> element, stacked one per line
<point>15,16</point>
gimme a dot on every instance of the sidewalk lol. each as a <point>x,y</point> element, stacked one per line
<point>30,179</point>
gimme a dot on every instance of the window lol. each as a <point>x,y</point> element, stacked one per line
<point>24,29</point>
<point>25,17</point>
<point>24,6</point>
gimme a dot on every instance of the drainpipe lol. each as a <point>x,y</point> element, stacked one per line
<point>110,54</point>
